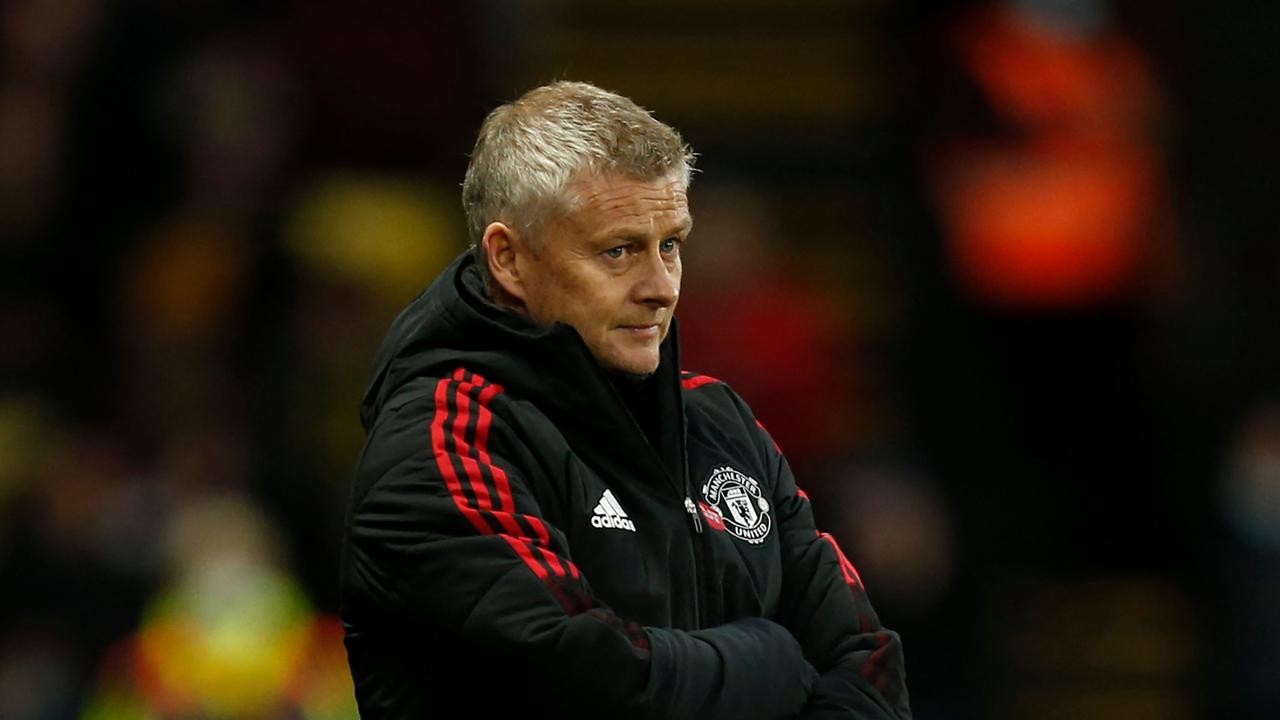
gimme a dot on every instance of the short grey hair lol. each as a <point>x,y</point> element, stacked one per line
<point>530,150</point>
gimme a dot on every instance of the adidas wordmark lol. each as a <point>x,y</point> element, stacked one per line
<point>609,514</point>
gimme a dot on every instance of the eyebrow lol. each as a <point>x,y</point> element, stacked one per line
<point>632,234</point>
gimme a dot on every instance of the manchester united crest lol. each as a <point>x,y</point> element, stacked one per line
<point>737,501</point>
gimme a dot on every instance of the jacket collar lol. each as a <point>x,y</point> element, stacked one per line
<point>454,323</point>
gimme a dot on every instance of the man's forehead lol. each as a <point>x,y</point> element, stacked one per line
<point>611,186</point>
<point>623,200</point>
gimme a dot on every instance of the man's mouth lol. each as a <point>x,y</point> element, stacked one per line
<point>643,329</point>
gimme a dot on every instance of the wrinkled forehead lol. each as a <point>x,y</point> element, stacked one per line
<point>607,189</point>
<point>642,204</point>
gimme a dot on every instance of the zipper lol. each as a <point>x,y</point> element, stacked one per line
<point>681,486</point>
<point>695,516</point>
<point>692,509</point>
<point>695,540</point>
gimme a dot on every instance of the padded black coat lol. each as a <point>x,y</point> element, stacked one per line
<point>516,543</point>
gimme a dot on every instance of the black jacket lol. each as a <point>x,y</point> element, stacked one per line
<point>517,543</point>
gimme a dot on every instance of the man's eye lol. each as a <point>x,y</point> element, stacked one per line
<point>669,245</point>
<point>616,253</point>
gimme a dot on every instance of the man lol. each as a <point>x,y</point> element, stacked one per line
<point>549,516</point>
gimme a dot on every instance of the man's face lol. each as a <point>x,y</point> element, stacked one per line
<point>610,267</point>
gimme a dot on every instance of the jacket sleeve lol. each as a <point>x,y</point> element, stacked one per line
<point>825,606</point>
<point>446,531</point>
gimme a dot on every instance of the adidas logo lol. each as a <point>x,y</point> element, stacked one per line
<point>609,514</point>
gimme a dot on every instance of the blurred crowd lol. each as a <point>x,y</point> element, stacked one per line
<point>999,277</point>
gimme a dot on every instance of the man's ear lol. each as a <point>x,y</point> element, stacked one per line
<point>502,248</point>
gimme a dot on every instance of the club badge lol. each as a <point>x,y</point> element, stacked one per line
<point>739,504</point>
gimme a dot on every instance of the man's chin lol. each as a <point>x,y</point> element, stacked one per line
<point>639,368</point>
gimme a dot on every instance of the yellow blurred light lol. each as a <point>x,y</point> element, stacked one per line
<point>226,652</point>
<point>385,234</point>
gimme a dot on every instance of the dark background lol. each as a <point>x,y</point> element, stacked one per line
<point>1001,278</point>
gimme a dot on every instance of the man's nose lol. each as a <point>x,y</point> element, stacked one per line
<point>661,284</point>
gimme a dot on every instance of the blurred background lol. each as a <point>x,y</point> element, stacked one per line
<point>1001,277</point>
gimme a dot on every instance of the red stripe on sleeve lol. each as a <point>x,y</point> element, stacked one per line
<point>872,666</point>
<point>769,435</point>
<point>506,519</point>
<point>522,549</point>
<point>500,479</point>
<point>551,569</point>
<point>506,515</point>
<point>843,571</point>
<point>851,575</point>
<point>572,595</point>
<point>485,419</point>
<point>454,484</point>
<point>553,560</point>
<point>469,464</point>
<point>482,445</point>
<point>521,546</point>
<point>446,465</point>
<point>693,382</point>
